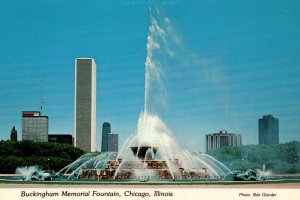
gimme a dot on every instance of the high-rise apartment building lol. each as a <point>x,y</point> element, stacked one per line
<point>106,129</point>
<point>85,104</point>
<point>113,142</point>
<point>34,126</point>
<point>268,130</point>
<point>222,139</point>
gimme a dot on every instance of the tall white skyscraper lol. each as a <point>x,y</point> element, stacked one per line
<point>85,104</point>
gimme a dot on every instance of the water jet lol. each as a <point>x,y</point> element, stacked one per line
<point>150,154</point>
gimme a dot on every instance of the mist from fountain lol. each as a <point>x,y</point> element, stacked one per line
<point>263,172</point>
<point>26,172</point>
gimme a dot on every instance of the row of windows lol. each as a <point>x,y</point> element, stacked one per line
<point>218,141</point>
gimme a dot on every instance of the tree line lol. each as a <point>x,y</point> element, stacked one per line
<point>46,155</point>
<point>281,158</point>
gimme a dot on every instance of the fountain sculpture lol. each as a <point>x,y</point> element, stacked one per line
<point>151,153</point>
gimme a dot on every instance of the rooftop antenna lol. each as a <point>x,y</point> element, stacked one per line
<point>41,104</point>
<point>106,116</point>
<point>41,99</point>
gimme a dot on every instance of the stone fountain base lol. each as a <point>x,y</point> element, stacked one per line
<point>143,168</point>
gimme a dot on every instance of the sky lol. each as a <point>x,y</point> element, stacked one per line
<point>224,64</point>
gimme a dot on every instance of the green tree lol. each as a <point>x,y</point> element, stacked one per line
<point>26,153</point>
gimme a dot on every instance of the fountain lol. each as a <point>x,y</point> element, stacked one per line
<point>151,154</point>
<point>263,173</point>
<point>26,172</point>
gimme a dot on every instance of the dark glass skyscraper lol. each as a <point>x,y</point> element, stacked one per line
<point>268,130</point>
<point>105,131</point>
<point>113,142</point>
<point>13,135</point>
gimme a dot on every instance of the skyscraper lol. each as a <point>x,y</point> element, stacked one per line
<point>222,139</point>
<point>113,142</point>
<point>106,129</point>
<point>13,134</point>
<point>85,104</point>
<point>268,130</point>
<point>34,126</point>
<point>109,139</point>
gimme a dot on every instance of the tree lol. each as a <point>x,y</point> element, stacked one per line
<point>26,153</point>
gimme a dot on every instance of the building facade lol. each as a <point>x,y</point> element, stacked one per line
<point>109,140</point>
<point>268,130</point>
<point>13,135</point>
<point>34,126</point>
<point>61,138</point>
<point>106,129</point>
<point>113,142</point>
<point>85,104</point>
<point>222,139</point>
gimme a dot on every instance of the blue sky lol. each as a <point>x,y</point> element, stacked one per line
<point>236,61</point>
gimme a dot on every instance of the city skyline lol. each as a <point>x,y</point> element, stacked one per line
<point>229,68</point>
